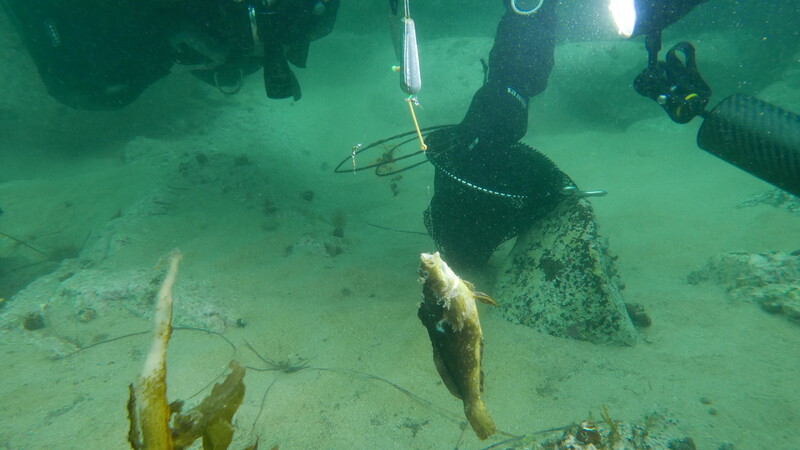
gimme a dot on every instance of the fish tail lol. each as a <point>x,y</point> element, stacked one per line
<point>478,417</point>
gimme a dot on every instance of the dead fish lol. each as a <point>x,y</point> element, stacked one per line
<point>449,313</point>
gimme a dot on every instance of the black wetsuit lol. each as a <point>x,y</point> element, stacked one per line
<point>489,187</point>
<point>100,55</point>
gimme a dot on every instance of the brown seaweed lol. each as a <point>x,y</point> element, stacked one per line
<point>212,418</point>
<point>150,413</point>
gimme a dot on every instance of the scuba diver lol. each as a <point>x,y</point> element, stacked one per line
<point>102,55</point>
<point>488,186</point>
<point>99,55</point>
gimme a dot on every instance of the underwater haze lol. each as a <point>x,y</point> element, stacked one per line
<point>310,278</point>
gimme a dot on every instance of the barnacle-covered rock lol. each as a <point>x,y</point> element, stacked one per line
<point>560,279</point>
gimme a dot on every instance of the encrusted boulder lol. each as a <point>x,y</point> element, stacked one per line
<point>771,280</point>
<point>560,279</point>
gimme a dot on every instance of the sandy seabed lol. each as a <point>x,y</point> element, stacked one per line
<point>245,188</point>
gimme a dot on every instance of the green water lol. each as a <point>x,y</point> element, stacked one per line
<point>244,186</point>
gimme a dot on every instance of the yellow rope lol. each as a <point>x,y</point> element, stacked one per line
<point>422,145</point>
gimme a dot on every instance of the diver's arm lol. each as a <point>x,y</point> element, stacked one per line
<point>519,65</point>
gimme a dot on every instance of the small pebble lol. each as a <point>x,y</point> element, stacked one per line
<point>87,314</point>
<point>682,444</point>
<point>307,195</point>
<point>33,321</point>
<point>638,315</point>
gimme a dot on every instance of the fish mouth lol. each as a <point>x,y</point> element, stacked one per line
<point>428,260</point>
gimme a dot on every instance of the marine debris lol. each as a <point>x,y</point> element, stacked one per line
<point>16,272</point>
<point>285,366</point>
<point>24,244</point>
<point>449,313</point>
<point>150,413</point>
<point>607,435</point>
<point>63,252</point>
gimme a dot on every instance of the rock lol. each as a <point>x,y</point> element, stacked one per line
<point>773,197</point>
<point>133,291</point>
<point>771,280</point>
<point>33,321</point>
<point>75,307</point>
<point>659,432</point>
<point>560,279</point>
<point>742,269</point>
<point>638,315</point>
<point>791,306</point>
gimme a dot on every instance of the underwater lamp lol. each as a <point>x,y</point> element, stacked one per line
<point>755,136</point>
<point>648,17</point>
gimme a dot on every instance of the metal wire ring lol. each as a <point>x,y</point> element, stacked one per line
<point>528,12</point>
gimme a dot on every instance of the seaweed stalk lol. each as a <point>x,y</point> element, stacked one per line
<point>614,435</point>
<point>153,411</point>
<point>150,413</point>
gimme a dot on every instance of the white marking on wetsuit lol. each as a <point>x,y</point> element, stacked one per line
<point>517,96</point>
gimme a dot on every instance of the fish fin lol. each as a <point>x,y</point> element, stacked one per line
<point>484,298</point>
<point>480,296</point>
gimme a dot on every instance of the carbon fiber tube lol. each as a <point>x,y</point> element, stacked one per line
<point>757,137</point>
